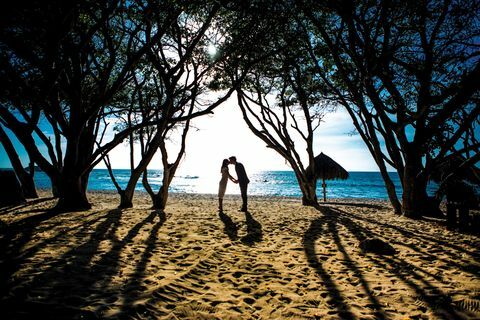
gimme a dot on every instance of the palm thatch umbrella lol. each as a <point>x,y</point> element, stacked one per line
<point>327,169</point>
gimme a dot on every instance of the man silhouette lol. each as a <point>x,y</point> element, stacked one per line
<point>242,180</point>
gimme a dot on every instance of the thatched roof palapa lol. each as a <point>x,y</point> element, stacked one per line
<point>327,169</point>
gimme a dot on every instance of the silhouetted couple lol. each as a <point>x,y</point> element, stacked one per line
<point>242,180</point>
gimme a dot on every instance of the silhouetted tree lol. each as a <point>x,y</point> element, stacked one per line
<point>74,57</point>
<point>283,107</point>
<point>407,73</point>
<point>174,88</point>
<point>190,67</point>
<point>25,178</point>
<point>280,101</point>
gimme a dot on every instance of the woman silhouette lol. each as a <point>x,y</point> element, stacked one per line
<point>222,187</point>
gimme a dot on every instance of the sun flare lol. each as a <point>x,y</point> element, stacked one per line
<point>212,50</point>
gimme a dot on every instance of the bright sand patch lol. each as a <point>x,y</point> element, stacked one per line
<point>279,261</point>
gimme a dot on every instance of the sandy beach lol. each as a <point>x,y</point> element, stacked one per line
<point>280,260</point>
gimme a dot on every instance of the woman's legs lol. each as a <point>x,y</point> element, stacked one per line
<point>220,204</point>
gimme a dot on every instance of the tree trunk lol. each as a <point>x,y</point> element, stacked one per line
<point>451,216</point>
<point>26,179</point>
<point>309,192</point>
<point>463,218</point>
<point>391,192</point>
<point>414,198</point>
<point>73,180</point>
<point>23,133</point>
<point>160,199</point>
<point>126,199</point>
<point>55,181</point>
<point>28,184</point>
<point>73,193</point>
<point>126,196</point>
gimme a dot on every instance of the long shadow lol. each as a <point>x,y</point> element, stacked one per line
<point>254,230</point>
<point>333,225</point>
<point>109,263</point>
<point>472,268</point>
<point>14,238</point>
<point>9,209</point>
<point>68,278</point>
<point>317,229</point>
<point>427,294</point>
<point>83,270</point>
<point>355,204</point>
<point>135,284</point>
<point>231,228</point>
<point>474,254</point>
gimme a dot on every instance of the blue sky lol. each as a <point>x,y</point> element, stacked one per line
<point>224,133</point>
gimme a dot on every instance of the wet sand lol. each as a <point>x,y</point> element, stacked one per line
<point>280,260</point>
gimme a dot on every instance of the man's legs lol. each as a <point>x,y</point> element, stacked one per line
<point>243,191</point>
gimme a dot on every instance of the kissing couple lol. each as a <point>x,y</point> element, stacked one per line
<point>242,180</point>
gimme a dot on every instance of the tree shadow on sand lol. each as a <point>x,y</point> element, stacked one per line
<point>29,203</point>
<point>354,204</point>
<point>135,283</point>
<point>427,295</point>
<point>59,286</point>
<point>16,236</point>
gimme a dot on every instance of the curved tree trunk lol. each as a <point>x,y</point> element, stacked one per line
<point>392,195</point>
<point>391,192</point>
<point>28,183</point>
<point>309,197</point>
<point>26,179</point>
<point>160,199</point>
<point>126,199</point>
<point>414,198</point>
<point>23,133</point>
<point>73,179</point>
<point>126,196</point>
<point>308,186</point>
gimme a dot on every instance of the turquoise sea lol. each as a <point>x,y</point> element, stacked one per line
<point>365,185</point>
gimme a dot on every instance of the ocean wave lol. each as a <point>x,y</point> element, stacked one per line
<point>359,185</point>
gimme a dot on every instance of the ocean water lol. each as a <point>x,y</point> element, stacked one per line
<point>360,185</point>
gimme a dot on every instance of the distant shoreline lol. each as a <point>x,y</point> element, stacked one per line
<point>37,169</point>
<point>45,192</point>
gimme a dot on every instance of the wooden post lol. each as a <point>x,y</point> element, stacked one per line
<point>324,186</point>
<point>451,215</point>
<point>463,217</point>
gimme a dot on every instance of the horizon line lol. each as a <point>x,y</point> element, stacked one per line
<point>278,170</point>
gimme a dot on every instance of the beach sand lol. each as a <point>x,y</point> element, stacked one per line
<point>278,261</point>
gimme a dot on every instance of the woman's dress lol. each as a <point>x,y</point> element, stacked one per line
<point>223,183</point>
